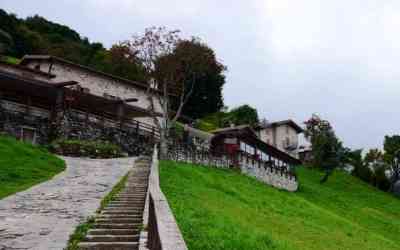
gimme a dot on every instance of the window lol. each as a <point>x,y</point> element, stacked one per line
<point>287,129</point>
<point>287,142</point>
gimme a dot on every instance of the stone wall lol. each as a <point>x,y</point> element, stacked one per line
<point>162,228</point>
<point>134,141</point>
<point>279,177</point>
<point>203,157</point>
<point>15,118</point>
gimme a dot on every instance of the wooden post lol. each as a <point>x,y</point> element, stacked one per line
<point>120,114</point>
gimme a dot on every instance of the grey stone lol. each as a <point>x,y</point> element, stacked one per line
<point>44,216</point>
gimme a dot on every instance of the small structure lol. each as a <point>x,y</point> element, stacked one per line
<point>243,141</point>
<point>282,135</point>
<point>254,157</point>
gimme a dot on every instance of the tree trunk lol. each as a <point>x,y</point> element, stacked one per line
<point>163,144</point>
<point>326,176</point>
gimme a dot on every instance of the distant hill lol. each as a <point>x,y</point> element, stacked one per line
<point>36,35</point>
<point>222,209</point>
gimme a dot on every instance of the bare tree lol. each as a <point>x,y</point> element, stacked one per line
<point>166,71</point>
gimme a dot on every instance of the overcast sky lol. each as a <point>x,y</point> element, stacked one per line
<point>287,58</point>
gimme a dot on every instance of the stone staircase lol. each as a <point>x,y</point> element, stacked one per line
<point>118,225</point>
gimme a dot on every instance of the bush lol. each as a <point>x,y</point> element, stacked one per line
<point>86,148</point>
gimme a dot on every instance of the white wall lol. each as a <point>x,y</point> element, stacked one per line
<point>277,136</point>
<point>98,84</point>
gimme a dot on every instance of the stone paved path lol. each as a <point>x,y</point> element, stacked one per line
<point>44,216</point>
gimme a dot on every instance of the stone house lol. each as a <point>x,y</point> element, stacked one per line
<point>91,81</point>
<point>45,97</point>
<point>283,135</point>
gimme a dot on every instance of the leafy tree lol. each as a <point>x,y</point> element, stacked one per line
<point>361,168</point>
<point>167,71</point>
<point>391,156</point>
<point>207,94</point>
<point>244,114</point>
<point>328,151</point>
<point>36,35</point>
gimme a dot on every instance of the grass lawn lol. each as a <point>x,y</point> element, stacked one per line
<point>221,209</point>
<point>10,59</point>
<point>23,165</point>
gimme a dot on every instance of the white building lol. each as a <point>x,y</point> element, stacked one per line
<point>92,81</point>
<point>283,135</point>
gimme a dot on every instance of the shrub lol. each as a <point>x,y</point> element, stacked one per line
<point>86,148</point>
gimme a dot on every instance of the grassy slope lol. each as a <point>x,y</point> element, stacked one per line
<point>23,165</point>
<point>220,209</point>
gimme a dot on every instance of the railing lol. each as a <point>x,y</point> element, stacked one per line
<point>139,127</point>
<point>163,231</point>
<point>191,154</point>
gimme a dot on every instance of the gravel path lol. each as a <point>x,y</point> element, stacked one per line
<point>44,216</point>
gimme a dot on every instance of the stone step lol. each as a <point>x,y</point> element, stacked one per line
<point>125,204</point>
<point>121,212</point>
<point>108,246</point>
<point>136,207</point>
<point>127,199</point>
<point>112,231</point>
<point>117,225</point>
<point>131,196</point>
<point>132,216</point>
<point>128,203</point>
<point>133,191</point>
<point>126,207</point>
<point>119,220</point>
<point>112,238</point>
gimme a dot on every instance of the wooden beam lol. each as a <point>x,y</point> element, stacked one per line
<point>64,84</point>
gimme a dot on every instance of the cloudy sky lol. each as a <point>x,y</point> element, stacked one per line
<point>288,58</point>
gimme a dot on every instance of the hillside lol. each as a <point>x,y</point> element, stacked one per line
<point>37,35</point>
<point>221,209</point>
<point>23,165</point>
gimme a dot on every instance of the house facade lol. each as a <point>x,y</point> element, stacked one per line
<point>45,98</point>
<point>92,81</point>
<point>283,135</point>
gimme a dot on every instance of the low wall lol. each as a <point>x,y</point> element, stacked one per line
<point>17,119</point>
<point>163,231</point>
<point>277,176</point>
<point>129,136</point>
<point>203,157</point>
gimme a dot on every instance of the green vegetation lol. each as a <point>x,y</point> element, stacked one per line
<point>9,59</point>
<point>80,233</point>
<point>23,165</point>
<point>111,195</point>
<point>240,115</point>
<point>82,229</point>
<point>86,148</point>
<point>36,35</point>
<point>222,209</point>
